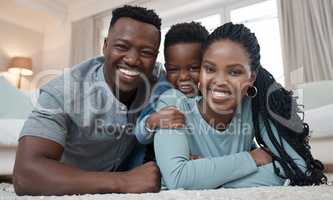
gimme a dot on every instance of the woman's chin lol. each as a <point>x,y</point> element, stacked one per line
<point>224,109</point>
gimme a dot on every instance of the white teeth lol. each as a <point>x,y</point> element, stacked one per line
<point>186,86</point>
<point>220,94</point>
<point>129,72</point>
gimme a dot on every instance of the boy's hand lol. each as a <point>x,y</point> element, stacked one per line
<point>167,117</point>
<point>261,157</point>
<point>194,157</point>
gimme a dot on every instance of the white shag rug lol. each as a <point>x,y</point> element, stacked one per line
<point>324,192</point>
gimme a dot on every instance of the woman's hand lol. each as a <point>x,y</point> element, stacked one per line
<point>167,117</point>
<point>261,157</point>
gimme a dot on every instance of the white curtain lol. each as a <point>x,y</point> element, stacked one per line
<point>87,37</point>
<point>307,37</point>
<point>82,40</point>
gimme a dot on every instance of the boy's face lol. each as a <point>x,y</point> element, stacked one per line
<point>182,63</point>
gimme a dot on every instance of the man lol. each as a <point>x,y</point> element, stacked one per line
<point>78,139</point>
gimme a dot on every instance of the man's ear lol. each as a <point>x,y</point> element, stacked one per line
<point>105,45</point>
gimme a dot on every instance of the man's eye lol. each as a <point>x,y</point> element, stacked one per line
<point>121,47</point>
<point>147,53</point>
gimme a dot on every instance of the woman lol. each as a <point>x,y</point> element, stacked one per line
<point>240,101</point>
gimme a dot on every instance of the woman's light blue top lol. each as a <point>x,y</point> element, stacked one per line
<point>225,158</point>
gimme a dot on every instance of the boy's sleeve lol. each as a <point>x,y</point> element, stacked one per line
<point>141,133</point>
<point>168,99</point>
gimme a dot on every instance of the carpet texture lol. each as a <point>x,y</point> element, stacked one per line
<point>324,192</point>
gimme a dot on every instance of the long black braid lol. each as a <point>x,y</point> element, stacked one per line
<point>273,104</point>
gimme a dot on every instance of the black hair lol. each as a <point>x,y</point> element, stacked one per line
<point>274,105</point>
<point>192,32</point>
<point>138,13</point>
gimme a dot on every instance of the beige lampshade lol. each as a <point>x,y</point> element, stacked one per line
<point>21,65</point>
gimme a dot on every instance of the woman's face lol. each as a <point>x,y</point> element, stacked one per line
<point>225,76</point>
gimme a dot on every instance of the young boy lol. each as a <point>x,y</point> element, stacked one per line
<point>183,54</point>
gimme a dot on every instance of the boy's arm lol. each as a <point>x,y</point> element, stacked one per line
<point>167,117</point>
<point>142,135</point>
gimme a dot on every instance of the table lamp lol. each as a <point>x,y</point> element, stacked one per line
<point>21,66</point>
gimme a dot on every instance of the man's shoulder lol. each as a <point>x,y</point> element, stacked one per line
<point>74,77</point>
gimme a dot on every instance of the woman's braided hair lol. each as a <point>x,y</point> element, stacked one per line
<point>275,105</point>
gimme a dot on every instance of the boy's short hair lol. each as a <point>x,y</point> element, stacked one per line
<point>138,13</point>
<point>192,32</point>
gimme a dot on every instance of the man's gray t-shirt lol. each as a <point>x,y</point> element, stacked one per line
<point>80,112</point>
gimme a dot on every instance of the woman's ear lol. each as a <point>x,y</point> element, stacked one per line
<point>253,78</point>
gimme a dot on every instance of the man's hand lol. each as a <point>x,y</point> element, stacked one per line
<point>168,117</point>
<point>261,157</point>
<point>145,178</point>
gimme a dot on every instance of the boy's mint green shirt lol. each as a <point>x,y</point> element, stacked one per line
<point>225,158</point>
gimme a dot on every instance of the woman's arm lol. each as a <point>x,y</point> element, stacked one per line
<point>265,176</point>
<point>178,171</point>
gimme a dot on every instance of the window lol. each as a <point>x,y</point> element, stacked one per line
<point>160,57</point>
<point>262,19</point>
<point>210,22</point>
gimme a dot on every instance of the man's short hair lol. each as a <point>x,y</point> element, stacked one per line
<point>138,13</point>
<point>192,32</point>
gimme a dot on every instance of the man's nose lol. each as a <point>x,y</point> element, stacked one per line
<point>132,57</point>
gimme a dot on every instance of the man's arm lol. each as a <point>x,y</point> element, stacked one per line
<point>38,171</point>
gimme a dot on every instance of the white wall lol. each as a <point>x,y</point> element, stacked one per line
<point>19,41</point>
<point>57,39</point>
<point>57,45</point>
<point>320,149</point>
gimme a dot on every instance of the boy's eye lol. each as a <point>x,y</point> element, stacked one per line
<point>194,68</point>
<point>172,69</point>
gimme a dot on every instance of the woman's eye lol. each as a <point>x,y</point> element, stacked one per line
<point>235,72</point>
<point>208,68</point>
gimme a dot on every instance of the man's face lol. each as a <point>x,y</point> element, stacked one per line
<point>130,52</point>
